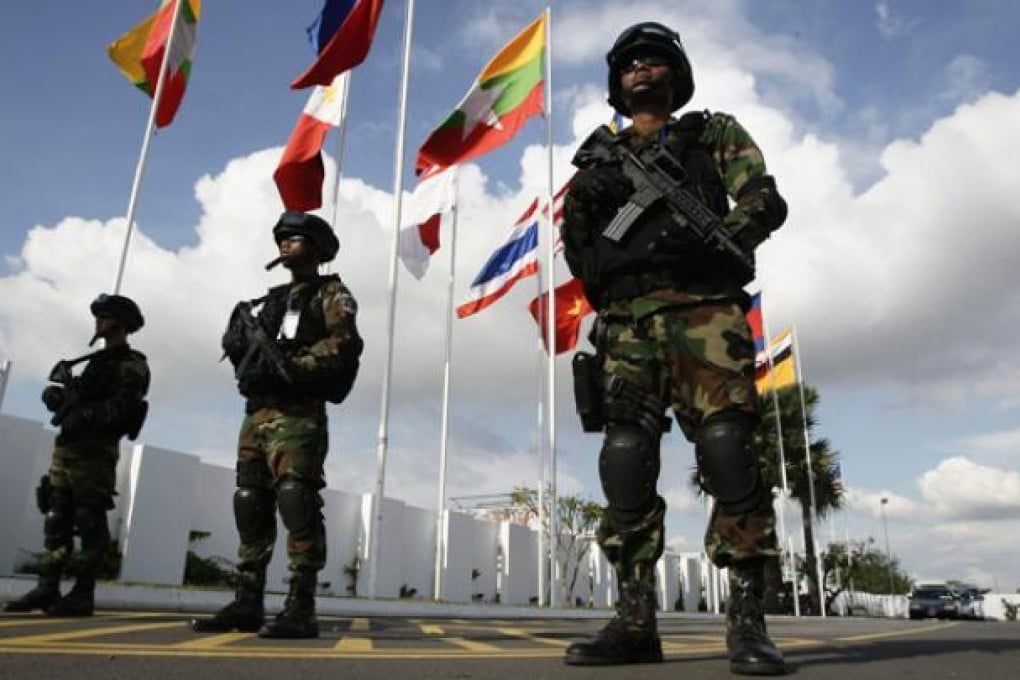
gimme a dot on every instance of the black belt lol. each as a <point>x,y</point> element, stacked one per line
<point>630,286</point>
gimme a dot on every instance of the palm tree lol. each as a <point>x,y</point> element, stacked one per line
<point>824,461</point>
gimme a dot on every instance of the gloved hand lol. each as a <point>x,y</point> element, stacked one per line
<point>78,419</point>
<point>53,397</point>
<point>605,185</point>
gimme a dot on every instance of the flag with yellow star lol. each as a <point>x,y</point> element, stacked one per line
<point>571,308</point>
<point>505,94</point>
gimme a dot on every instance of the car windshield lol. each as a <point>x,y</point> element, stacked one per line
<point>930,594</point>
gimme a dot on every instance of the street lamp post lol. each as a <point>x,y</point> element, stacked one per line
<point>888,553</point>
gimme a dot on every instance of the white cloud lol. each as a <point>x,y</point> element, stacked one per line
<point>1004,444</point>
<point>966,78</point>
<point>958,489</point>
<point>891,24</point>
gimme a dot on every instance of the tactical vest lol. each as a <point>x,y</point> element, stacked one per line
<point>99,382</point>
<point>311,328</point>
<point>658,252</point>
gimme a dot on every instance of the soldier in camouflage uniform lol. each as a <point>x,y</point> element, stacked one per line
<point>671,331</point>
<point>308,325</point>
<point>93,410</point>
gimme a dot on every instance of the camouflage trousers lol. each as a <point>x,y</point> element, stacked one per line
<point>699,359</point>
<point>82,474</point>
<point>274,444</point>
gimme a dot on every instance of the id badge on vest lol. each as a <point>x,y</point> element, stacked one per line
<point>288,329</point>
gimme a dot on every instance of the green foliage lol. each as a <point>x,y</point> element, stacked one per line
<point>206,571</point>
<point>577,519</point>
<point>351,570</point>
<point>109,569</point>
<point>862,566</point>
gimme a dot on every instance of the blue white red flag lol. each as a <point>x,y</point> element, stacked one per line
<point>342,36</point>
<point>515,259</point>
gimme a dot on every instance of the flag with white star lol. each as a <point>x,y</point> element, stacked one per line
<point>505,94</point>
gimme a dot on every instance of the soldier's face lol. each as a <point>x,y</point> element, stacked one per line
<point>647,76</point>
<point>105,324</point>
<point>296,249</point>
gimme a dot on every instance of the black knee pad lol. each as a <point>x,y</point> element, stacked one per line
<point>254,512</point>
<point>629,469</point>
<point>727,463</point>
<point>299,507</point>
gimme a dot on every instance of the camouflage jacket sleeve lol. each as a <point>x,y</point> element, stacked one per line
<point>130,386</point>
<point>336,307</point>
<point>758,209</point>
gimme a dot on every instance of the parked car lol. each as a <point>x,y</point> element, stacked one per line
<point>971,604</point>
<point>934,602</point>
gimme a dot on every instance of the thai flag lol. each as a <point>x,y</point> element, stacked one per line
<point>514,260</point>
<point>341,36</point>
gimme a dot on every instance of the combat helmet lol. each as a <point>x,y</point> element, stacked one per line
<point>120,308</point>
<point>312,227</point>
<point>650,36</point>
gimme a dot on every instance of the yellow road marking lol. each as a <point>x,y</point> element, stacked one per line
<point>98,631</point>
<point>431,629</point>
<point>473,645</point>
<point>525,635</point>
<point>360,625</point>
<point>41,621</point>
<point>212,641</point>
<point>897,633</point>
<point>354,645</point>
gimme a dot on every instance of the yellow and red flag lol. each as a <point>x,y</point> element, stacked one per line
<point>505,94</point>
<point>139,54</point>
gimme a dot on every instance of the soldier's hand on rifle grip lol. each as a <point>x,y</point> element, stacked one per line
<point>603,184</point>
<point>53,397</point>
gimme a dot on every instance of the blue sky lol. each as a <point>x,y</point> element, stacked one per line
<point>889,126</point>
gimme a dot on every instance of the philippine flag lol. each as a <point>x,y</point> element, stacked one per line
<point>341,36</point>
<point>754,320</point>
<point>514,260</point>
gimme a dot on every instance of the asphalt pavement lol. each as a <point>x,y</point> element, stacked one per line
<point>159,644</point>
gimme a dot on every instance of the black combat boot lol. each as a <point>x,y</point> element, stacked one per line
<point>244,613</point>
<point>751,651</point>
<point>79,601</point>
<point>45,593</point>
<point>297,620</point>
<point>630,637</point>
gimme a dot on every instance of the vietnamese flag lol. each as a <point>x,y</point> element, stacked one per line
<point>571,307</point>
<point>505,94</point>
<point>139,54</point>
<point>342,36</point>
<point>300,173</point>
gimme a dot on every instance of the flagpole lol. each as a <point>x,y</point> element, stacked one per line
<point>781,446</point>
<point>341,136</point>
<point>150,126</point>
<point>437,583</point>
<point>384,411</point>
<point>811,477</point>
<point>551,320</point>
<point>5,376</point>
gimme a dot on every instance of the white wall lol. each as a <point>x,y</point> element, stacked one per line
<point>157,515</point>
<point>164,495</point>
<point>24,458</point>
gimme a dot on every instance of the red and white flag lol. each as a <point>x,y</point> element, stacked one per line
<point>300,173</point>
<point>422,216</point>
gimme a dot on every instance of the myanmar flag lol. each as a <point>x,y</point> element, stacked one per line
<point>139,54</point>
<point>505,94</point>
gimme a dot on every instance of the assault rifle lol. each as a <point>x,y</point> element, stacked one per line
<point>260,344</point>
<point>61,374</point>
<point>657,176</point>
